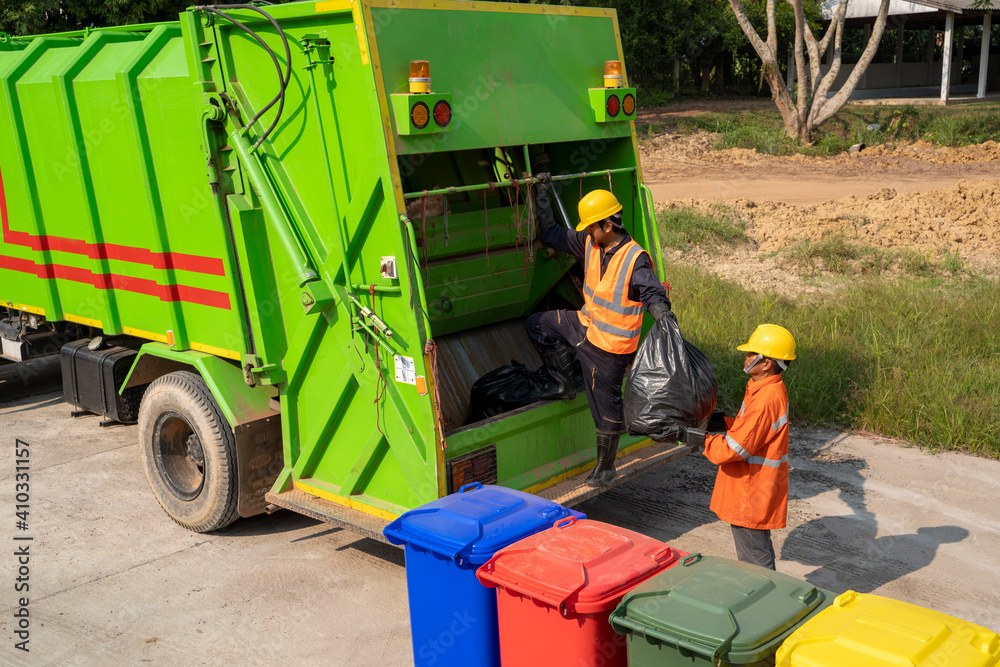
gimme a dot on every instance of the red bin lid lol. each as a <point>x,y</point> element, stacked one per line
<point>579,566</point>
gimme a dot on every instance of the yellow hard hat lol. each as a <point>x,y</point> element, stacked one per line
<point>771,341</point>
<point>597,205</point>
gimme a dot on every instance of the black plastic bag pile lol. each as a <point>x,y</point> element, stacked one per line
<point>507,388</point>
<point>670,383</point>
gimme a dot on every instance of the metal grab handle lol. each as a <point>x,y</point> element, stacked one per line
<point>692,559</point>
<point>647,194</point>
<point>660,555</point>
<point>562,209</point>
<point>530,180</point>
<point>649,205</point>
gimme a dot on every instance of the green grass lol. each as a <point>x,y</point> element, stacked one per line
<point>915,359</point>
<point>837,255</point>
<point>681,227</point>
<point>721,227</point>
<point>754,131</point>
<point>764,130</point>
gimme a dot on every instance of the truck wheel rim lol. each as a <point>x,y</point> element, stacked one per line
<point>179,457</point>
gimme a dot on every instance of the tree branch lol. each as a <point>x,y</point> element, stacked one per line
<point>765,53</point>
<point>839,15</point>
<point>772,26</point>
<point>833,105</point>
<point>817,49</point>
<point>815,59</point>
<point>800,61</point>
<point>819,97</point>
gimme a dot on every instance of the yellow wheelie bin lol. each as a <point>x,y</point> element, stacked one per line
<point>873,631</point>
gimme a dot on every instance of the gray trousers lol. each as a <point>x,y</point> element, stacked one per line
<point>754,546</point>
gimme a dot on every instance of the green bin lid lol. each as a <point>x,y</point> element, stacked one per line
<point>719,608</point>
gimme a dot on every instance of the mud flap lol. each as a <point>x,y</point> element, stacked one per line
<point>259,461</point>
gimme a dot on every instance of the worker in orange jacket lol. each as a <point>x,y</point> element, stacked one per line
<point>751,487</point>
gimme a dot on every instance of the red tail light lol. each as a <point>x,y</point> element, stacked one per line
<point>614,106</point>
<point>442,113</point>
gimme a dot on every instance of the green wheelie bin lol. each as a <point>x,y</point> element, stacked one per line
<point>714,611</point>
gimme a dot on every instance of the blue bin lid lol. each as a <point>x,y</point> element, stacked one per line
<point>476,522</point>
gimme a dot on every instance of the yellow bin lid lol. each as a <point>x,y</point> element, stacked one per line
<point>874,631</point>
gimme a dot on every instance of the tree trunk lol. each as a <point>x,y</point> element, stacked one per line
<point>804,114</point>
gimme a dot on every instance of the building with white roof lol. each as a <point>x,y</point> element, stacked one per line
<point>915,79</point>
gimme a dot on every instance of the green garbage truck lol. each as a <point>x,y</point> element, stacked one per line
<point>287,239</point>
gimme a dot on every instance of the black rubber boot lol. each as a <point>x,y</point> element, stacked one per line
<point>607,450</point>
<point>559,360</point>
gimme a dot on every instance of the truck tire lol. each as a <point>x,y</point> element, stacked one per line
<point>189,452</point>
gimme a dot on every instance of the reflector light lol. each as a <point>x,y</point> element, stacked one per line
<point>614,106</point>
<point>420,76</point>
<point>442,113</point>
<point>628,104</point>
<point>479,466</point>
<point>613,74</point>
<point>420,115</point>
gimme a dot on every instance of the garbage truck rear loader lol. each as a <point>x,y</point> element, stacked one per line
<point>295,264</point>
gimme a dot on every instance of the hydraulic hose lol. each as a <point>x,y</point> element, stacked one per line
<point>283,78</point>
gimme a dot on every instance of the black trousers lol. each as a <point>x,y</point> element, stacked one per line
<point>603,372</point>
<point>754,546</point>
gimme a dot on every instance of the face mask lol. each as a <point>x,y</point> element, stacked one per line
<point>753,363</point>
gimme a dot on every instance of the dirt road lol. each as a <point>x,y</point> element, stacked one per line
<point>722,187</point>
<point>113,579</point>
<point>685,166</point>
<point>918,199</point>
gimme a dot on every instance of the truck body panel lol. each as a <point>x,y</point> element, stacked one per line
<point>136,200</point>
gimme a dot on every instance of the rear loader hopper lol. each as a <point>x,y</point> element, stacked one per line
<point>296,235</point>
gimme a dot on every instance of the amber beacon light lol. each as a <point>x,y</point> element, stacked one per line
<point>420,111</point>
<point>420,76</point>
<point>612,74</point>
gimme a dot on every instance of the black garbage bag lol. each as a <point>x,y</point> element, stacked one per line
<point>670,383</point>
<point>507,388</point>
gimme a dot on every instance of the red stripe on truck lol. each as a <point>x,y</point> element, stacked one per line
<point>182,293</point>
<point>158,260</point>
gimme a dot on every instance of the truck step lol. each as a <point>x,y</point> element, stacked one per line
<point>324,510</point>
<point>571,492</point>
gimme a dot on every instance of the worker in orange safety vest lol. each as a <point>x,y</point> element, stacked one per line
<point>751,487</point>
<point>619,284</point>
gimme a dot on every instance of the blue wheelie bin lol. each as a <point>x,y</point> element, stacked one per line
<point>453,617</point>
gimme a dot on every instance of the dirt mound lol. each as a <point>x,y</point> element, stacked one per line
<point>902,198</point>
<point>665,148</point>
<point>964,218</point>
<point>921,150</point>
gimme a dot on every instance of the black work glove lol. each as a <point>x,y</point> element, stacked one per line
<point>543,205</point>
<point>675,433</point>
<point>660,310</point>
<point>717,423</point>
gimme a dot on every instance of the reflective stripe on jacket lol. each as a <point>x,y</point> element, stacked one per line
<point>613,320</point>
<point>751,487</point>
